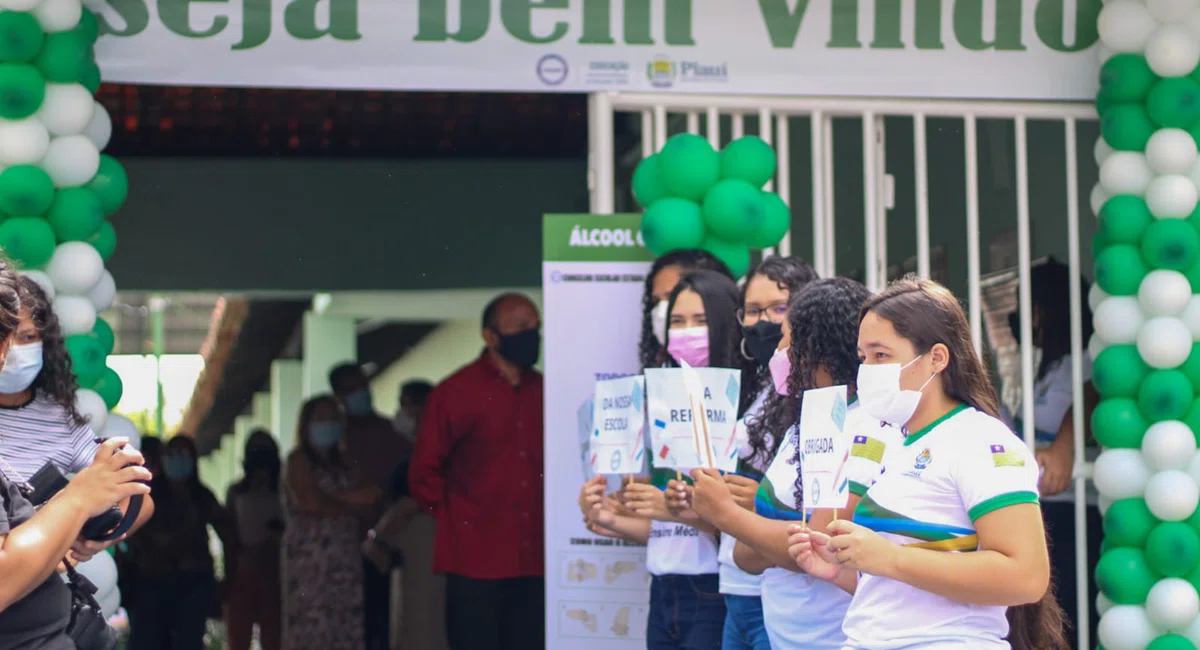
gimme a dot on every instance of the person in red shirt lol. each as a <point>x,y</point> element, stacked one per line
<point>477,469</point>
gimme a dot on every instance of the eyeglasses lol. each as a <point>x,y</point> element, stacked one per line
<point>774,313</point>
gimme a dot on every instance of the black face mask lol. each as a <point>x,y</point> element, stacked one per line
<point>761,339</point>
<point>522,348</point>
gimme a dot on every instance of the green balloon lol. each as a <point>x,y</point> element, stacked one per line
<point>648,185</point>
<point>90,78</point>
<point>87,358</point>
<point>28,241</point>
<point>1123,575</point>
<point>1126,78</point>
<point>1120,269</point>
<point>1102,103</point>
<point>22,90</point>
<point>777,220</point>
<point>20,37</point>
<point>88,27</point>
<point>733,210</point>
<point>670,224</point>
<point>1128,522</point>
<point>1195,131</point>
<point>1099,242</point>
<point>75,215</point>
<point>1123,219</point>
<point>111,184</point>
<point>748,158</point>
<point>1118,371</point>
<point>1170,244</point>
<point>689,166</point>
<point>1174,102</point>
<point>1126,127</point>
<point>1191,367</point>
<point>1172,547</point>
<point>735,255</point>
<point>1171,642</point>
<point>105,240</point>
<point>1164,395</point>
<point>109,387</point>
<point>25,190</point>
<point>103,332</point>
<point>64,57</point>
<point>1192,419</point>
<point>1119,423</point>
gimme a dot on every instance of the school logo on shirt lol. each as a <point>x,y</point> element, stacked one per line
<point>1003,458</point>
<point>920,463</point>
<point>868,448</point>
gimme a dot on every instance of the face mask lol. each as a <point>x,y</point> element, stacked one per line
<point>177,468</point>
<point>690,346</point>
<point>522,348</point>
<point>324,435</point>
<point>658,321</point>
<point>405,424</point>
<point>761,339</point>
<point>880,394</point>
<point>781,368</point>
<point>359,403</point>
<point>22,366</point>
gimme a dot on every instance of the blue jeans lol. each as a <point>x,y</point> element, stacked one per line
<point>744,627</point>
<point>686,613</point>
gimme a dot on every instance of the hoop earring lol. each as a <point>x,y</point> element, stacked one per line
<point>745,354</point>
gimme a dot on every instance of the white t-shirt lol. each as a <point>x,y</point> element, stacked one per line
<point>43,431</point>
<point>734,581</point>
<point>801,612</point>
<point>932,490</point>
<point>680,549</point>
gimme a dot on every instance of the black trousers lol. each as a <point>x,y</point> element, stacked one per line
<point>507,614</point>
<point>1060,522</point>
<point>377,592</point>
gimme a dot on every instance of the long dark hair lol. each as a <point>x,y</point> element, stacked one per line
<point>823,317</point>
<point>926,313</point>
<point>334,456</point>
<point>721,298</point>
<point>1050,288</point>
<point>56,382</point>
<point>790,274</point>
<point>650,352</point>
<point>269,459</point>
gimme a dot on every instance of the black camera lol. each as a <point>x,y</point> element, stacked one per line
<point>105,527</point>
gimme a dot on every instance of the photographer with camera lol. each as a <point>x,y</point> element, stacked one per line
<point>42,434</point>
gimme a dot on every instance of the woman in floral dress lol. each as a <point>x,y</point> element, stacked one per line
<point>322,561</point>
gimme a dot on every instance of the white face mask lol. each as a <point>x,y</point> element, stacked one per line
<point>658,321</point>
<point>22,366</point>
<point>880,394</point>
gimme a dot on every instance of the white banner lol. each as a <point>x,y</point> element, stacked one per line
<point>824,448</point>
<point>994,49</point>
<point>693,413</point>
<point>597,588</point>
<point>617,444</point>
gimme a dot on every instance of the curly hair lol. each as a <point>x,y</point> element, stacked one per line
<point>650,352</point>
<point>823,318</point>
<point>56,382</point>
<point>790,274</point>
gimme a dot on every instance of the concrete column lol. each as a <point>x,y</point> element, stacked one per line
<point>261,411</point>
<point>287,390</point>
<point>328,341</point>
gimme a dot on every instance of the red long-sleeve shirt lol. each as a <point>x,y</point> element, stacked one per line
<point>477,468</point>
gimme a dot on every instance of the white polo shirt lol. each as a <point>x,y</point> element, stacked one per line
<point>734,581</point>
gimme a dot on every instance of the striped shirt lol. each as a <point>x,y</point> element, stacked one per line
<point>42,431</point>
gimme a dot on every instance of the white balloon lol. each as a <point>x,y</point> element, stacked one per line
<point>42,281</point>
<point>58,15</point>
<point>1192,22</point>
<point>92,407</point>
<point>1102,504</point>
<point>1170,151</point>
<point>1103,53</point>
<point>1096,345</point>
<point>76,314</point>
<point>23,142</point>
<point>1172,196</point>
<point>67,109</point>
<point>1101,151</point>
<point>1126,627</point>
<point>111,603</point>
<point>18,5</point>
<point>99,129</point>
<point>104,293</point>
<point>1097,199</point>
<point>1095,296</point>
<point>1125,172</point>
<point>75,268</point>
<point>1170,12</point>
<point>1164,342</point>
<point>1169,445</point>
<point>101,570</point>
<point>1125,26</point>
<point>1193,631</point>
<point>1191,317</point>
<point>1121,473</point>
<point>1118,319</point>
<point>1172,604</point>
<point>1164,293</point>
<point>119,426</point>
<point>1103,604</point>
<point>1172,495</point>
<point>1172,51</point>
<point>1194,468</point>
<point>71,160</point>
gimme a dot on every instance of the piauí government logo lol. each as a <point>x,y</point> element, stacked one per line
<point>661,72</point>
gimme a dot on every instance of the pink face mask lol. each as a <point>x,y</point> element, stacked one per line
<point>781,367</point>
<point>689,345</point>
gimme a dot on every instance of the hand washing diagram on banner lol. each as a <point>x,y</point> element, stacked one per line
<point>692,416</point>
<point>618,445</point>
<point>1032,49</point>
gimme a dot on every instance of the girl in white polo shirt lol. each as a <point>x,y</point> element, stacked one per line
<point>947,548</point>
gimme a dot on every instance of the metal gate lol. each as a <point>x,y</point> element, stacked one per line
<point>865,124</point>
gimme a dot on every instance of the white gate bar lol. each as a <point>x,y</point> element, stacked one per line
<point>827,213</point>
<point>660,126</point>
<point>1024,297</point>
<point>818,190</point>
<point>855,106</point>
<point>713,126</point>
<point>647,134</point>
<point>739,126</point>
<point>881,232</point>
<point>764,131</point>
<point>1078,475</point>
<point>870,204</point>
<point>974,294</point>
<point>921,154</point>
<point>601,160</point>
<point>783,170</point>
<point>693,122</point>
